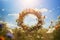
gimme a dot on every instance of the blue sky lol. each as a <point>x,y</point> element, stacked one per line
<point>10,8</point>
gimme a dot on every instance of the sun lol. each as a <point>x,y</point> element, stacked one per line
<point>29,3</point>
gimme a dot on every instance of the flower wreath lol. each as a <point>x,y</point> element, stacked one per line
<point>29,11</point>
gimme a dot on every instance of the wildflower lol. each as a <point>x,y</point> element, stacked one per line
<point>2,38</point>
<point>9,35</point>
<point>1,26</point>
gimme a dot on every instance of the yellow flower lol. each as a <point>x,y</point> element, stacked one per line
<point>2,38</point>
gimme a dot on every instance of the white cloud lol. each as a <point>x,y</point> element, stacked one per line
<point>1,21</point>
<point>32,16</point>
<point>16,15</point>
<point>42,10</point>
<point>11,25</point>
<point>50,10</point>
<point>13,14</point>
<point>3,9</point>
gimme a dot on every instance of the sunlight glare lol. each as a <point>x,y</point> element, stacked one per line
<point>29,3</point>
